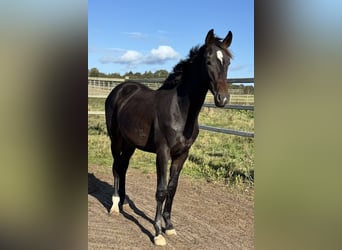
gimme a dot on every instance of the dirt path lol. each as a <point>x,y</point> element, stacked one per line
<point>206,216</point>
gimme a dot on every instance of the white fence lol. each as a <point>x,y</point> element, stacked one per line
<point>244,101</point>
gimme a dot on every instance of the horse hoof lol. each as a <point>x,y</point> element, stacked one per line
<point>125,203</point>
<point>114,210</point>
<point>115,207</point>
<point>159,240</point>
<point>170,232</point>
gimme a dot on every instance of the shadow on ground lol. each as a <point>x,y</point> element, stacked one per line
<point>103,191</point>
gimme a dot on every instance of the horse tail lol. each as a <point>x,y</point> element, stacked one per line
<point>109,110</point>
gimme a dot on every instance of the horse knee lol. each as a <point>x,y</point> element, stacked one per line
<point>161,195</point>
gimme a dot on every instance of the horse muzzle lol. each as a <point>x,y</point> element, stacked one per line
<point>221,99</point>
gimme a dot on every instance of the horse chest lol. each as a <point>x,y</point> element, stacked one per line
<point>180,140</point>
<point>180,134</point>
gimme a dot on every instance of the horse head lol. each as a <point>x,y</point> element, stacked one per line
<point>216,61</point>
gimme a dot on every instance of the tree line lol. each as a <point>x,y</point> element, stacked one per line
<point>94,72</point>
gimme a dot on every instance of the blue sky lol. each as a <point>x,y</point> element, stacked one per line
<point>139,36</point>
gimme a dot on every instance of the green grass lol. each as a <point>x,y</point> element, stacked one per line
<point>216,157</point>
<point>96,104</point>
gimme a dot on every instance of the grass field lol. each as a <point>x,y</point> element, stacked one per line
<point>216,157</point>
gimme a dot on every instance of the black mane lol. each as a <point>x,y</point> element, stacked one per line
<point>176,76</point>
<point>178,72</point>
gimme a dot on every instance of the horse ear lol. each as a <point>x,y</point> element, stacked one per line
<point>228,40</point>
<point>210,37</point>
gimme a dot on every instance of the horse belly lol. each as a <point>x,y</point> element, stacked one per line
<point>137,130</point>
<point>141,137</point>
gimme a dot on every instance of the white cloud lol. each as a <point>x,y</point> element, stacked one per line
<point>131,57</point>
<point>164,52</point>
<point>128,57</point>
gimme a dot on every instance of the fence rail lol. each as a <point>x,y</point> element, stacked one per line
<point>226,131</point>
<point>109,83</point>
<point>240,107</point>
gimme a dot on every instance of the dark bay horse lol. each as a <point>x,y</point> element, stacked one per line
<point>165,121</point>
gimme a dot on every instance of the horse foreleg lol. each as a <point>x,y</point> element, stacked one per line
<point>162,159</point>
<point>176,167</point>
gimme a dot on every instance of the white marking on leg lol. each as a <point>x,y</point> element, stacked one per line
<point>170,232</point>
<point>159,240</point>
<point>115,206</point>
<point>219,56</point>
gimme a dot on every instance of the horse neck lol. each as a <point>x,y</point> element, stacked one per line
<point>191,95</point>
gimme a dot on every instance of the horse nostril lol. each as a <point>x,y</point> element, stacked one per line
<point>219,98</point>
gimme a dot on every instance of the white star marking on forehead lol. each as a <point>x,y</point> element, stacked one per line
<point>219,56</point>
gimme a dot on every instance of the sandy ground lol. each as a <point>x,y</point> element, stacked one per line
<point>205,215</point>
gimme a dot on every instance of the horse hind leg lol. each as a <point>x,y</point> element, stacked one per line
<point>120,165</point>
<point>115,197</point>
<point>124,162</point>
